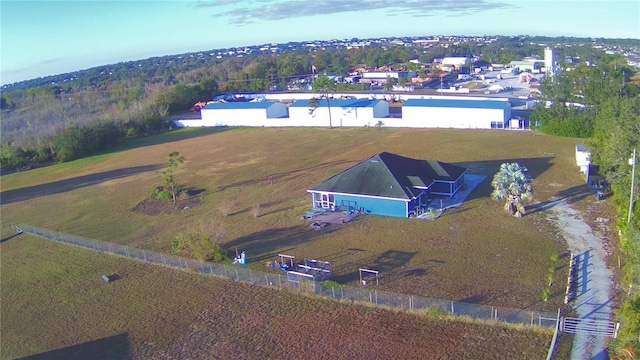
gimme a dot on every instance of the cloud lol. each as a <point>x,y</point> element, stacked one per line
<point>242,12</point>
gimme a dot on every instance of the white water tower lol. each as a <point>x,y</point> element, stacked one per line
<point>548,58</point>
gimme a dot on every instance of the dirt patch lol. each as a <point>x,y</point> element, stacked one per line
<point>158,207</point>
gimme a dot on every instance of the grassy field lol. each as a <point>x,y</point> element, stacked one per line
<point>158,312</point>
<point>475,253</point>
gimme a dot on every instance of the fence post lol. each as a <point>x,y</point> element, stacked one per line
<point>144,255</point>
<point>110,247</point>
<point>126,251</point>
<point>164,260</point>
<point>370,297</point>
<point>333,292</point>
<point>410,302</point>
<point>250,276</point>
<point>452,312</point>
<point>341,293</point>
<point>201,267</point>
<point>237,276</point>
<point>211,269</point>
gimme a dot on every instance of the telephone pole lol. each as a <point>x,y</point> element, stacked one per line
<point>633,184</point>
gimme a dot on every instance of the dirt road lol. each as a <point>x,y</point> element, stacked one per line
<point>593,281</point>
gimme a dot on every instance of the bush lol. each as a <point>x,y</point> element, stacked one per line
<point>159,193</point>
<point>332,284</point>
<point>198,245</point>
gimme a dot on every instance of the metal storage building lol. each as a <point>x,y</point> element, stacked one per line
<point>258,113</point>
<point>347,113</point>
<point>454,113</point>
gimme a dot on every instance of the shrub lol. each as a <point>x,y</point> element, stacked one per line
<point>198,245</point>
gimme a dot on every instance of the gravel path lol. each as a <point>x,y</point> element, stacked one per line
<point>593,282</point>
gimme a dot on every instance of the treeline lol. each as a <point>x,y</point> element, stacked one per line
<point>60,138</point>
<point>602,104</point>
<point>573,98</point>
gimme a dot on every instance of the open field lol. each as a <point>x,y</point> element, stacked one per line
<point>158,312</point>
<point>475,253</point>
<point>472,254</point>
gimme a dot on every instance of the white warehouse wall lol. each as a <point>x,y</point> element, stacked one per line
<point>442,117</point>
<point>243,116</point>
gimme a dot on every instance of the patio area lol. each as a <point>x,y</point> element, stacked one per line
<point>440,204</point>
<point>329,217</point>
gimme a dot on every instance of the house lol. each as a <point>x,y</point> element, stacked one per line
<point>347,112</point>
<point>524,65</point>
<point>388,184</point>
<point>457,113</point>
<point>454,63</point>
<point>250,113</point>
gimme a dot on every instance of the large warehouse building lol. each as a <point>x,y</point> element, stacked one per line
<point>426,112</point>
<point>466,113</point>
<point>347,113</point>
<point>258,113</point>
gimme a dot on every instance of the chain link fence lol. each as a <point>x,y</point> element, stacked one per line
<point>370,296</point>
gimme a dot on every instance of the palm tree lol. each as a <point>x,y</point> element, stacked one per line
<point>512,183</point>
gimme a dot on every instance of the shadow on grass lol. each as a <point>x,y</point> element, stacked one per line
<point>287,175</point>
<point>112,347</point>
<point>383,263</point>
<point>535,167</point>
<point>61,186</point>
<point>9,237</point>
<point>267,244</point>
<point>165,138</point>
<point>569,196</point>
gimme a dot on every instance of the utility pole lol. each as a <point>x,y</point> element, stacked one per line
<point>633,184</point>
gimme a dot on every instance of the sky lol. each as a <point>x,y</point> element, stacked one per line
<point>41,38</point>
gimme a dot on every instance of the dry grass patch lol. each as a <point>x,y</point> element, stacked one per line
<point>475,253</point>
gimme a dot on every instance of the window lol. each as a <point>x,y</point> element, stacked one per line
<point>325,200</point>
<point>497,125</point>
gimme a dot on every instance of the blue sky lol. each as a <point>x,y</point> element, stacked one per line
<point>40,38</point>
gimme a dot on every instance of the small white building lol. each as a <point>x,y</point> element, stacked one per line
<point>583,158</point>
<point>455,62</point>
<point>458,113</point>
<point>258,113</point>
<point>347,113</point>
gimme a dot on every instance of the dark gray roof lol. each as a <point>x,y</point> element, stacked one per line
<point>390,175</point>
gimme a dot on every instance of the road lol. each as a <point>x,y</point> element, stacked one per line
<point>594,281</point>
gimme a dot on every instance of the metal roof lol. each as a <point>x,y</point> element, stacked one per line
<point>338,103</point>
<point>240,105</point>
<point>390,175</point>
<point>459,103</point>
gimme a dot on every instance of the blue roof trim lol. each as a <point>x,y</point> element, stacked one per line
<point>459,103</point>
<point>240,105</point>
<point>338,103</point>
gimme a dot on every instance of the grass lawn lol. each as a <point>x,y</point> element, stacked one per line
<point>55,304</point>
<point>475,253</point>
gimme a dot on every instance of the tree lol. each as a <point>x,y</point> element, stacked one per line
<point>390,83</point>
<point>512,183</point>
<point>325,86</point>
<point>170,184</point>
